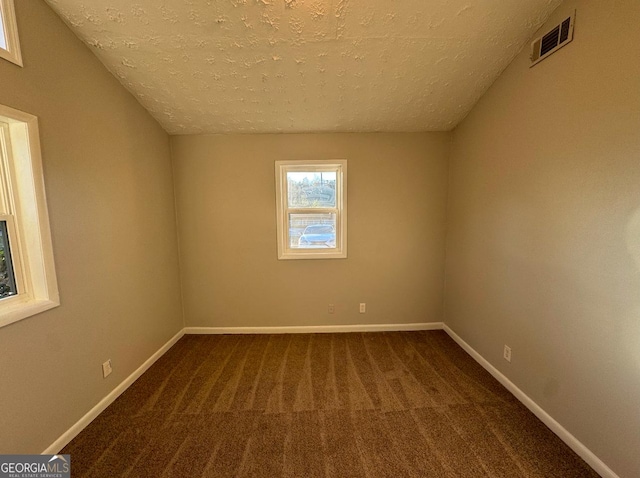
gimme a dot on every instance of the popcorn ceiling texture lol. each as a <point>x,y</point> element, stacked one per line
<point>221,66</point>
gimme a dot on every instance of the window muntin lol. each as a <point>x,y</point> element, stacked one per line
<point>311,209</point>
<point>9,43</point>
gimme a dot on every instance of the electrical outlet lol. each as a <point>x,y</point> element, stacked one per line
<point>507,353</point>
<point>332,309</point>
<point>363,307</point>
<point>106,369</point>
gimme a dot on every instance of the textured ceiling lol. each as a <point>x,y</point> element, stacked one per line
<point>217,66</point>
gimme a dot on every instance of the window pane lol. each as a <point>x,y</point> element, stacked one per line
<point>312,231</point>
<point>311,189</point>
<point>3,40</point>
<point>7,278</point>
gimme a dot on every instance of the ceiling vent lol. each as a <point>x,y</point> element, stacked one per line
<point>553,40</point>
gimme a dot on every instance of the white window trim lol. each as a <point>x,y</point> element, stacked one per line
<point>12,53</point>
<point>32,253</point>
<point>284,249</point>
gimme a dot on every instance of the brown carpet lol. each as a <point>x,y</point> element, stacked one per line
<point>396,404</point>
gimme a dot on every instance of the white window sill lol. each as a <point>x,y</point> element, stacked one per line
<point>21,309</point>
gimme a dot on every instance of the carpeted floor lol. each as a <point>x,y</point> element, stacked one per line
<point>395,404</point>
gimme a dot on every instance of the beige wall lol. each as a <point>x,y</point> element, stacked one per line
<point>543,249</point>
<point>225,190</point>
<point>108,179</point>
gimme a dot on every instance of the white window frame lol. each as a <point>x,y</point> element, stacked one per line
<point>10,26</point>
<point>23,205</point>
<point>339,166</point>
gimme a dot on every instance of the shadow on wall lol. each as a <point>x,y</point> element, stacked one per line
<point>633,237</point>
<point>633,246</point>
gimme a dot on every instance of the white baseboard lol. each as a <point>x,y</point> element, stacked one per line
<point>315,329</point>
<point>80,425</point>
<point>582,451</point>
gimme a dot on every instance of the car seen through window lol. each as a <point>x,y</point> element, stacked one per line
<point>318,235</point>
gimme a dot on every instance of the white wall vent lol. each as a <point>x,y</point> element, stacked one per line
<point>553,40</point>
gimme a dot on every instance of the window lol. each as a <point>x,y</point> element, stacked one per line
<point>7,275</point>
<point>9,44</point>
<point>28,282</point>
<point>311,209</point>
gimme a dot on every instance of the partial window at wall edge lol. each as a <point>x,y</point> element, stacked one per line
<point>9,41</point>
<point>28,282</point>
